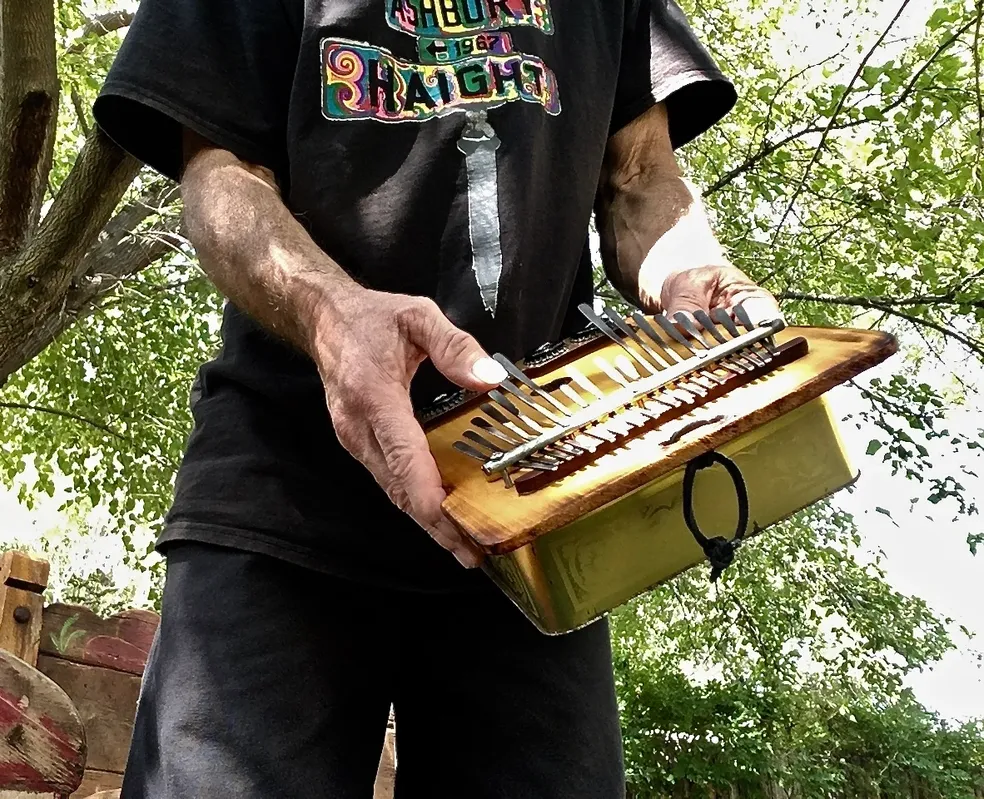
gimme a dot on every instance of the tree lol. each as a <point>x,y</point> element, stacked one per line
<point>848,180</point>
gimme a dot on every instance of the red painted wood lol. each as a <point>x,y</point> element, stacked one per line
<point>42,745</point>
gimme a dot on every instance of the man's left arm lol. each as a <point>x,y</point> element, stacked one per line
<point>657,244</point>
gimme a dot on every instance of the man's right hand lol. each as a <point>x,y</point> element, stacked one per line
<point>368,345</point>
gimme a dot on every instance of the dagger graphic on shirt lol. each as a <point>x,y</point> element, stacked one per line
<point>479,143</point>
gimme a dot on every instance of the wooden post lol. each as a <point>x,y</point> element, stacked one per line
<point>22,584</point>
<point>42,743</point>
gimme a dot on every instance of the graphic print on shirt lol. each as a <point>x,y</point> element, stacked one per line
<point>465,64</point>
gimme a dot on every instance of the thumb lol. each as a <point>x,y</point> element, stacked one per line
<point>455,354</point>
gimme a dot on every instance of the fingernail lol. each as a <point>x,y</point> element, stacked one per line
<point>489,371</point>
<point>761,311</point>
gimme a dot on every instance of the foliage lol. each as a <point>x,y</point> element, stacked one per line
<point>849,181</point>
<point>798,684</point>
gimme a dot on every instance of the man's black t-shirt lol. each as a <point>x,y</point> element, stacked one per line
<point>444,148</point>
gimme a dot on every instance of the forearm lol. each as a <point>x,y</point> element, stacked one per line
<point>255,252</point>
<point>655,225</point>
<point>651,220</point>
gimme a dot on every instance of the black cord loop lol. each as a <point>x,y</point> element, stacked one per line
<point>720,552</point>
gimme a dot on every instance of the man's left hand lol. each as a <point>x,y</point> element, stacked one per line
<point>708,287</point>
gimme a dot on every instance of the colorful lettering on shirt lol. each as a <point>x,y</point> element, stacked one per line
<point>441,51</point>
<point>366,82</point>
<point>437,18</point>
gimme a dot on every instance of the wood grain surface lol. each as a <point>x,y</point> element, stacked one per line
<point>106,701</point>
<point>42,743</point>
<point>121,642</point>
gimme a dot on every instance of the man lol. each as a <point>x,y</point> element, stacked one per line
<point>387,191</point>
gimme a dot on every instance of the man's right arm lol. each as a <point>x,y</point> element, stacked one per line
<point>366,344</point>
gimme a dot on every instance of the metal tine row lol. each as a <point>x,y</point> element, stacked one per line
<point>736,364</point>
<point>652,364</point>
<point>520,427</point>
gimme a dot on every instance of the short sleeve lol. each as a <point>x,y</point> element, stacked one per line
<point>222,68</point>
<point>664,61</point>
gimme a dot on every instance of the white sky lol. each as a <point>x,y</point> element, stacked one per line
<point>930,560</point>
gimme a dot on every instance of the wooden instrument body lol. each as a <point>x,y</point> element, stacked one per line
<point>576,548</point>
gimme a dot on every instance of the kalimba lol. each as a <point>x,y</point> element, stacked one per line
<point>578,476</point>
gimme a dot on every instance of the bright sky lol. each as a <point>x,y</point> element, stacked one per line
<point>927,559</point>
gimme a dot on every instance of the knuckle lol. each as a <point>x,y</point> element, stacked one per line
<point>416,313</point>
<point>452,344</point>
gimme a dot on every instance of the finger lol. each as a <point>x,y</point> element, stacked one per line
<point>456,354</point>
<point>761,308</point>
<point>735,288</point>
<point>686,292</point>
<point>413,477</point>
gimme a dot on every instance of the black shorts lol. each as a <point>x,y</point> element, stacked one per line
<point>267,680</point>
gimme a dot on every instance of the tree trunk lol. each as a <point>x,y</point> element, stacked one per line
<point>36,280</point>
<point>28,115</point>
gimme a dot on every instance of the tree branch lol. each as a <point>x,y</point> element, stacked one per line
<point>28,113</point>
<point>43,270</point>
<point>121,253</point>
<point>891,309</point>
<point>976,49</point>
<point>100,26</point>
<point>20,406</point>
<point>833,116</point>
<point>768,149</point>
<point>79,107</point>
<point>882,302</point>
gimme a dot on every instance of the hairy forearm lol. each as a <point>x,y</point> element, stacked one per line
<point>254,251</point>
<point>651,220</point>
<point>653,225</point>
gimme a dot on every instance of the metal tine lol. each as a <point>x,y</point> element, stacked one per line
<point>492,430</point>
<point>619,322</point>
<point>578,377</point>
<point>710,326</point>
<point>535,466</point>
<point>673,397</point>
<point>603,326</point>
<point>522,378</point>
<point>713,327</point>
<point>567,446</point>
<point>471,434</point>
<point>677,336</point>
<point>694,389</point>
<point>626,367</point>
<point>686,392</point>
<point>470,451</point>
<point>687,324</point>
<point>501,398</point>
<point>722,316</point>
<point>527,400</point>
<point>613,374</point>
<point>618,375</point>
<point>495,448</point>
<point>746,322</point>
<point>572,395</point>
<point>586,385</point>
<point>650,331</point>
<point>506,422</point>
<point>692,384</point>
<point>686,321</point>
